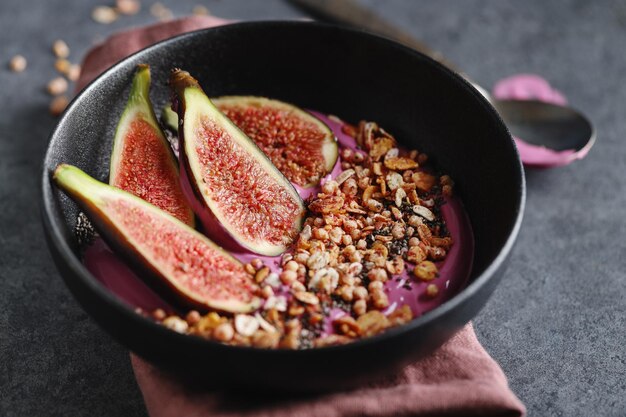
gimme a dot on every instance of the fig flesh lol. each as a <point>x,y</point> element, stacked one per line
<point>181,259</point>
<point>142,161</point>
<point>244,202</point>
<point>300,145</point>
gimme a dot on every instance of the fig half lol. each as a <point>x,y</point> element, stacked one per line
<point>299,144</point>
<point>244,200</point>
<point>142,161</point>
<point>195,269</point>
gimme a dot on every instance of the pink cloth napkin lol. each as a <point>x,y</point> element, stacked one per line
<point>459,379</point>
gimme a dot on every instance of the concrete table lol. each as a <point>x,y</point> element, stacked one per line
<point>556,324</point>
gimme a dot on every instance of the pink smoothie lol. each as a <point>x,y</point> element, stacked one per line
<point>403,289</point>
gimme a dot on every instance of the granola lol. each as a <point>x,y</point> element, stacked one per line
<point>377,220</point>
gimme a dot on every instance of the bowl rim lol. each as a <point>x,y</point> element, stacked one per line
<point>76,267</point>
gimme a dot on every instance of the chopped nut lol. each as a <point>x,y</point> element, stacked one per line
<point>273,280</point>
<point>397,231</point>
<point>192,317</point>
<point>307,297</point>
<point>224,332</point>
<point>278,303</point>
<point>58,105</point>
<point>326,205</point>
<point>176,323</point>
<point>436,254</point>
<point>104,14</point>
<point>17,63</point>
<point>373,322</point>
<point>377,274</point>
<point>348,326</point>
<point>350,187</point>
<point>60,49</point>
<point>325,279</point>
<point>399,197</point>
<point>262,274</point>
<point>346,292</point>
<point>401,316</point>
<point>341,178</point>
<point>330,187</point>
<point>264,324</point>
<point>159,314</point>
<point>318,260</point>
<point>246,325</point>
<point>265,340</point>
<point>250,269</point>
<point>415,254</point>
<point>394,181</point>
<point>290,341</point>
<point>374,205</point>
<point>432,290</point>
<point>380,299</point>
<point>424,212</point>
<point>426,271</point>
<point>375,285</point>
<point>423,181</point>
<point>400,163</point>
<point>442,242</point>
<point>288,277</point>
<point>380,147</point>
<point>331,340</point>
<point>361,293</point>
<point>359,307</point>
<point>267,291</point>
<point>57,86</point>
<point>380,249</point>
<point>395,266</point>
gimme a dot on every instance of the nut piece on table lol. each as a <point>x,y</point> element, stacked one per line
<point>104,15</point>
<point>60,49</point>
<point>17,63</point>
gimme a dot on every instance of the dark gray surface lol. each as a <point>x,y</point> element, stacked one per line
<point>556,324</point>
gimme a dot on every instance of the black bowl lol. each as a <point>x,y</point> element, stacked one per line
<point>335,70</point>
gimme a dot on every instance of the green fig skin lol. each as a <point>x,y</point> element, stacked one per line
<point>142,161</point>
<point>243,201</point>
<point>203,275</point>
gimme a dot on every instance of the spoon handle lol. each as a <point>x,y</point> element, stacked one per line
<point>351,13</point>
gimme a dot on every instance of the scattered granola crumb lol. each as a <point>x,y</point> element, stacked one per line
<point>432,290</point>
<point>104,14</point>
<point>73,73</point>
<point>57,86</point>
<point>200,10</point>
<point>58,105</point>
<point>17,63</point>
<point>60,49</point>
<point>161,12</point>
<point>127,7</point>
<point>62,66</point>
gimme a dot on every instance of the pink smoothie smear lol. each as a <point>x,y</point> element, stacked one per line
<point>533,87</point>
<point>402,289</point>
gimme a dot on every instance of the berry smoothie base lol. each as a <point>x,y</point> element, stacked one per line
<point>363,294</point>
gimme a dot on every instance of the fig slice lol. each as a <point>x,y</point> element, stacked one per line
<point>162,247</point>
<point>142,161</point>
<point>299,144</point>
<point>244,202</point>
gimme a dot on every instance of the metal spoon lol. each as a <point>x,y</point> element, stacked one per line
<point>553,135</point>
